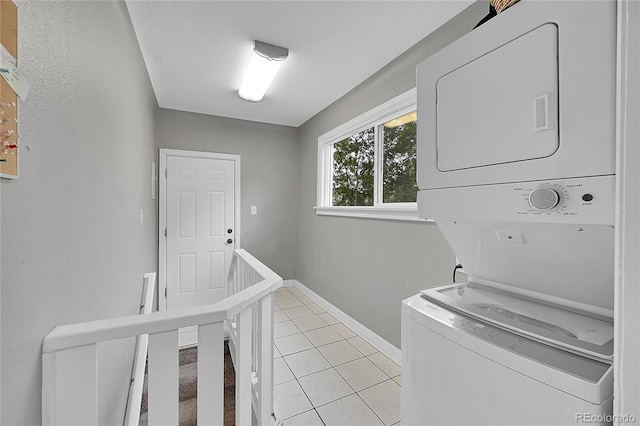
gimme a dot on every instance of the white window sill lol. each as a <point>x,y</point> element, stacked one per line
<point>388,213</point>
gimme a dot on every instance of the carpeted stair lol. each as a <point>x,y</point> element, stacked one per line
<point>188,389</point>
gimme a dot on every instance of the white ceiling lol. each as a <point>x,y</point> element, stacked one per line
<point>196,52</point>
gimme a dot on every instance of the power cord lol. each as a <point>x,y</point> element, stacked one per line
<point>458,266</point>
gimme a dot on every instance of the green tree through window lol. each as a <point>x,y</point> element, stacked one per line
<point>353,165</point>
<point>399,164</point>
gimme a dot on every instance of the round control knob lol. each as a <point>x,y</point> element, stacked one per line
<point>544,199</point>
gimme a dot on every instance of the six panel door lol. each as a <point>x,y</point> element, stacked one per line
<point>200,230</point>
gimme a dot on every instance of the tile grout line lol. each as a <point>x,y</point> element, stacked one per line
<point>371,408</point>
<point>298,381</point>
<point>331,366</point>
<point>347,396</point>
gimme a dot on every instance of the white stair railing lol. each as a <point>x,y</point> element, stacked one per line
<point>69,356</point>
<point>258,319</point>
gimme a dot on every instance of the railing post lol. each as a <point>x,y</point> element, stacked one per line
<point>211,374</point>
<point>71,377</point>
<point>163,378</point>
<point>132,414</point>
<point>265,379</point>
<point>47,389</point>
<point>243,367</point>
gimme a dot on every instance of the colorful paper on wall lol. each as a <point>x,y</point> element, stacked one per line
<point>11,75</point>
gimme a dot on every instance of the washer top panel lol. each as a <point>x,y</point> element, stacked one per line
<point>554,325</point>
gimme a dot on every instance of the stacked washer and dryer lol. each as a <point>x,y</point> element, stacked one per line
<point>516,165</point>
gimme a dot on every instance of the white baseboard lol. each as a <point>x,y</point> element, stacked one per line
<point>372,338</point>
<point>288,283</point>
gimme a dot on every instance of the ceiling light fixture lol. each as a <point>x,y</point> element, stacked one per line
<point>265,62</point>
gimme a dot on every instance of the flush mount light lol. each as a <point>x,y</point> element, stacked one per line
<point>265,62</point>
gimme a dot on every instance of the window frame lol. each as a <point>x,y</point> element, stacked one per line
<point>396,107</point>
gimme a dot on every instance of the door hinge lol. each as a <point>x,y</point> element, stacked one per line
<point>165,232</point>
<point>165,292</point>
<point>165,172</point>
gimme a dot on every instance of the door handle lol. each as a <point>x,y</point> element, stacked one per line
<point>229,241</point>
<point>229,231</point>
<point>543,112</point>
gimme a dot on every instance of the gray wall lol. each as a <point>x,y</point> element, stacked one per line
<point>73,248</point>
<point>269,156</point>
<point>366,267</point>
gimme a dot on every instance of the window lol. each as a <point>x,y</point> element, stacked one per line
<point>367,166</point>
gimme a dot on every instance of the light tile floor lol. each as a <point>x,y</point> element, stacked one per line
<point>324,373</point>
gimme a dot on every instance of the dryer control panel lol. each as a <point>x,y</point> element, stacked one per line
<point>584,200</point>
<point>566,198</point>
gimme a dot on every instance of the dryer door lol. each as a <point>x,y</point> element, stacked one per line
<point>528,96</point>
<point>501,107</point>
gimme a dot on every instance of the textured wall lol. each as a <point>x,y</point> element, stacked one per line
<point>73,248</point>
<point>367,267</point>
<point>269,155</point>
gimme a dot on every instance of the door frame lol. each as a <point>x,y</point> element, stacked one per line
<point>162,209</point>
<point>626,391</point>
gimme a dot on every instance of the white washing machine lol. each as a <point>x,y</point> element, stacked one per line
<point>458,370</point>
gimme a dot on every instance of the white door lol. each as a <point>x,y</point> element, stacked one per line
<point>200,229</point>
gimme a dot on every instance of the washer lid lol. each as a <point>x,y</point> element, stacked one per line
<point>579,376</point>
<point>575,331</point>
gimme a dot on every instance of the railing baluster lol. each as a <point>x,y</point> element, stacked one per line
<point>265,349</point>
<point>236,276</point>
<point>211,374</point>
<point>75,386</point>
<point>255,336</point>
<point>243,367</point>
<point>163,378</point>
